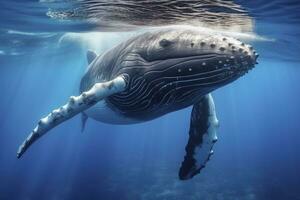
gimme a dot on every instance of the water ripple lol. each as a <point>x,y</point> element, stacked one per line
<point>129,13</point>
<point>29,24</point>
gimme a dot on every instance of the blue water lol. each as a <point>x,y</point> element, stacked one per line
<point>256,156</point>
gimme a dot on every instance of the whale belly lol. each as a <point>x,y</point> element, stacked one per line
<point>101,112</point>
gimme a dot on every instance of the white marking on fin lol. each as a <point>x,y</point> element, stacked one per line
<point>74,106</point>
<point>204,151</point>
<point>202,136</point>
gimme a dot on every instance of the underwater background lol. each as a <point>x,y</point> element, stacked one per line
<point>43,48</point>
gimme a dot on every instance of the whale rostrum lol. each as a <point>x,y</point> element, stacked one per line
<point>75,105</point>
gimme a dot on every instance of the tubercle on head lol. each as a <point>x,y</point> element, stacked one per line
<point>227,45</point>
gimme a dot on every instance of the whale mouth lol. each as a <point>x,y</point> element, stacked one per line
<point>210,66</point>
<point>209,70</point>
<point>237,62</point>
<point>213,62</point>
<point>187,57</point>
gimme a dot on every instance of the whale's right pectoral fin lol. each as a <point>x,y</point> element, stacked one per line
<point>74,106</point>
<point>202,136</point>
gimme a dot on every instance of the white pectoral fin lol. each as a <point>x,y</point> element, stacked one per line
<point>202,136</point>
<point>74,106</point>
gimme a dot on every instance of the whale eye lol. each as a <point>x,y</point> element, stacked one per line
<point>165,43</point>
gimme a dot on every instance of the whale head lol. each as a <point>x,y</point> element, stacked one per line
<point>192,58</point>
<point>172,69</point>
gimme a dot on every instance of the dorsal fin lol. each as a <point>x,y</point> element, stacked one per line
<point>90,55</point>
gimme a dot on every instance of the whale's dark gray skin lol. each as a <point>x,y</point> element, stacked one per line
<point>169,70</point>
<point>153,74</point>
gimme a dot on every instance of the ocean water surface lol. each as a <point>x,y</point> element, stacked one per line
<point>43,47</point>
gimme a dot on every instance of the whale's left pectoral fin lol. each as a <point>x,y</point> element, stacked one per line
<point>202,136</point>
<point>75,105</point>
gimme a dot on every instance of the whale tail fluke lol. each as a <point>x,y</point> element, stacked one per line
<point>74,106</point>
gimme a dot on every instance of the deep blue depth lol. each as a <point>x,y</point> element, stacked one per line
<point>256,156</point>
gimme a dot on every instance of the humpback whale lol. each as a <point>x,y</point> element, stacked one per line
<point>153,74</point>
